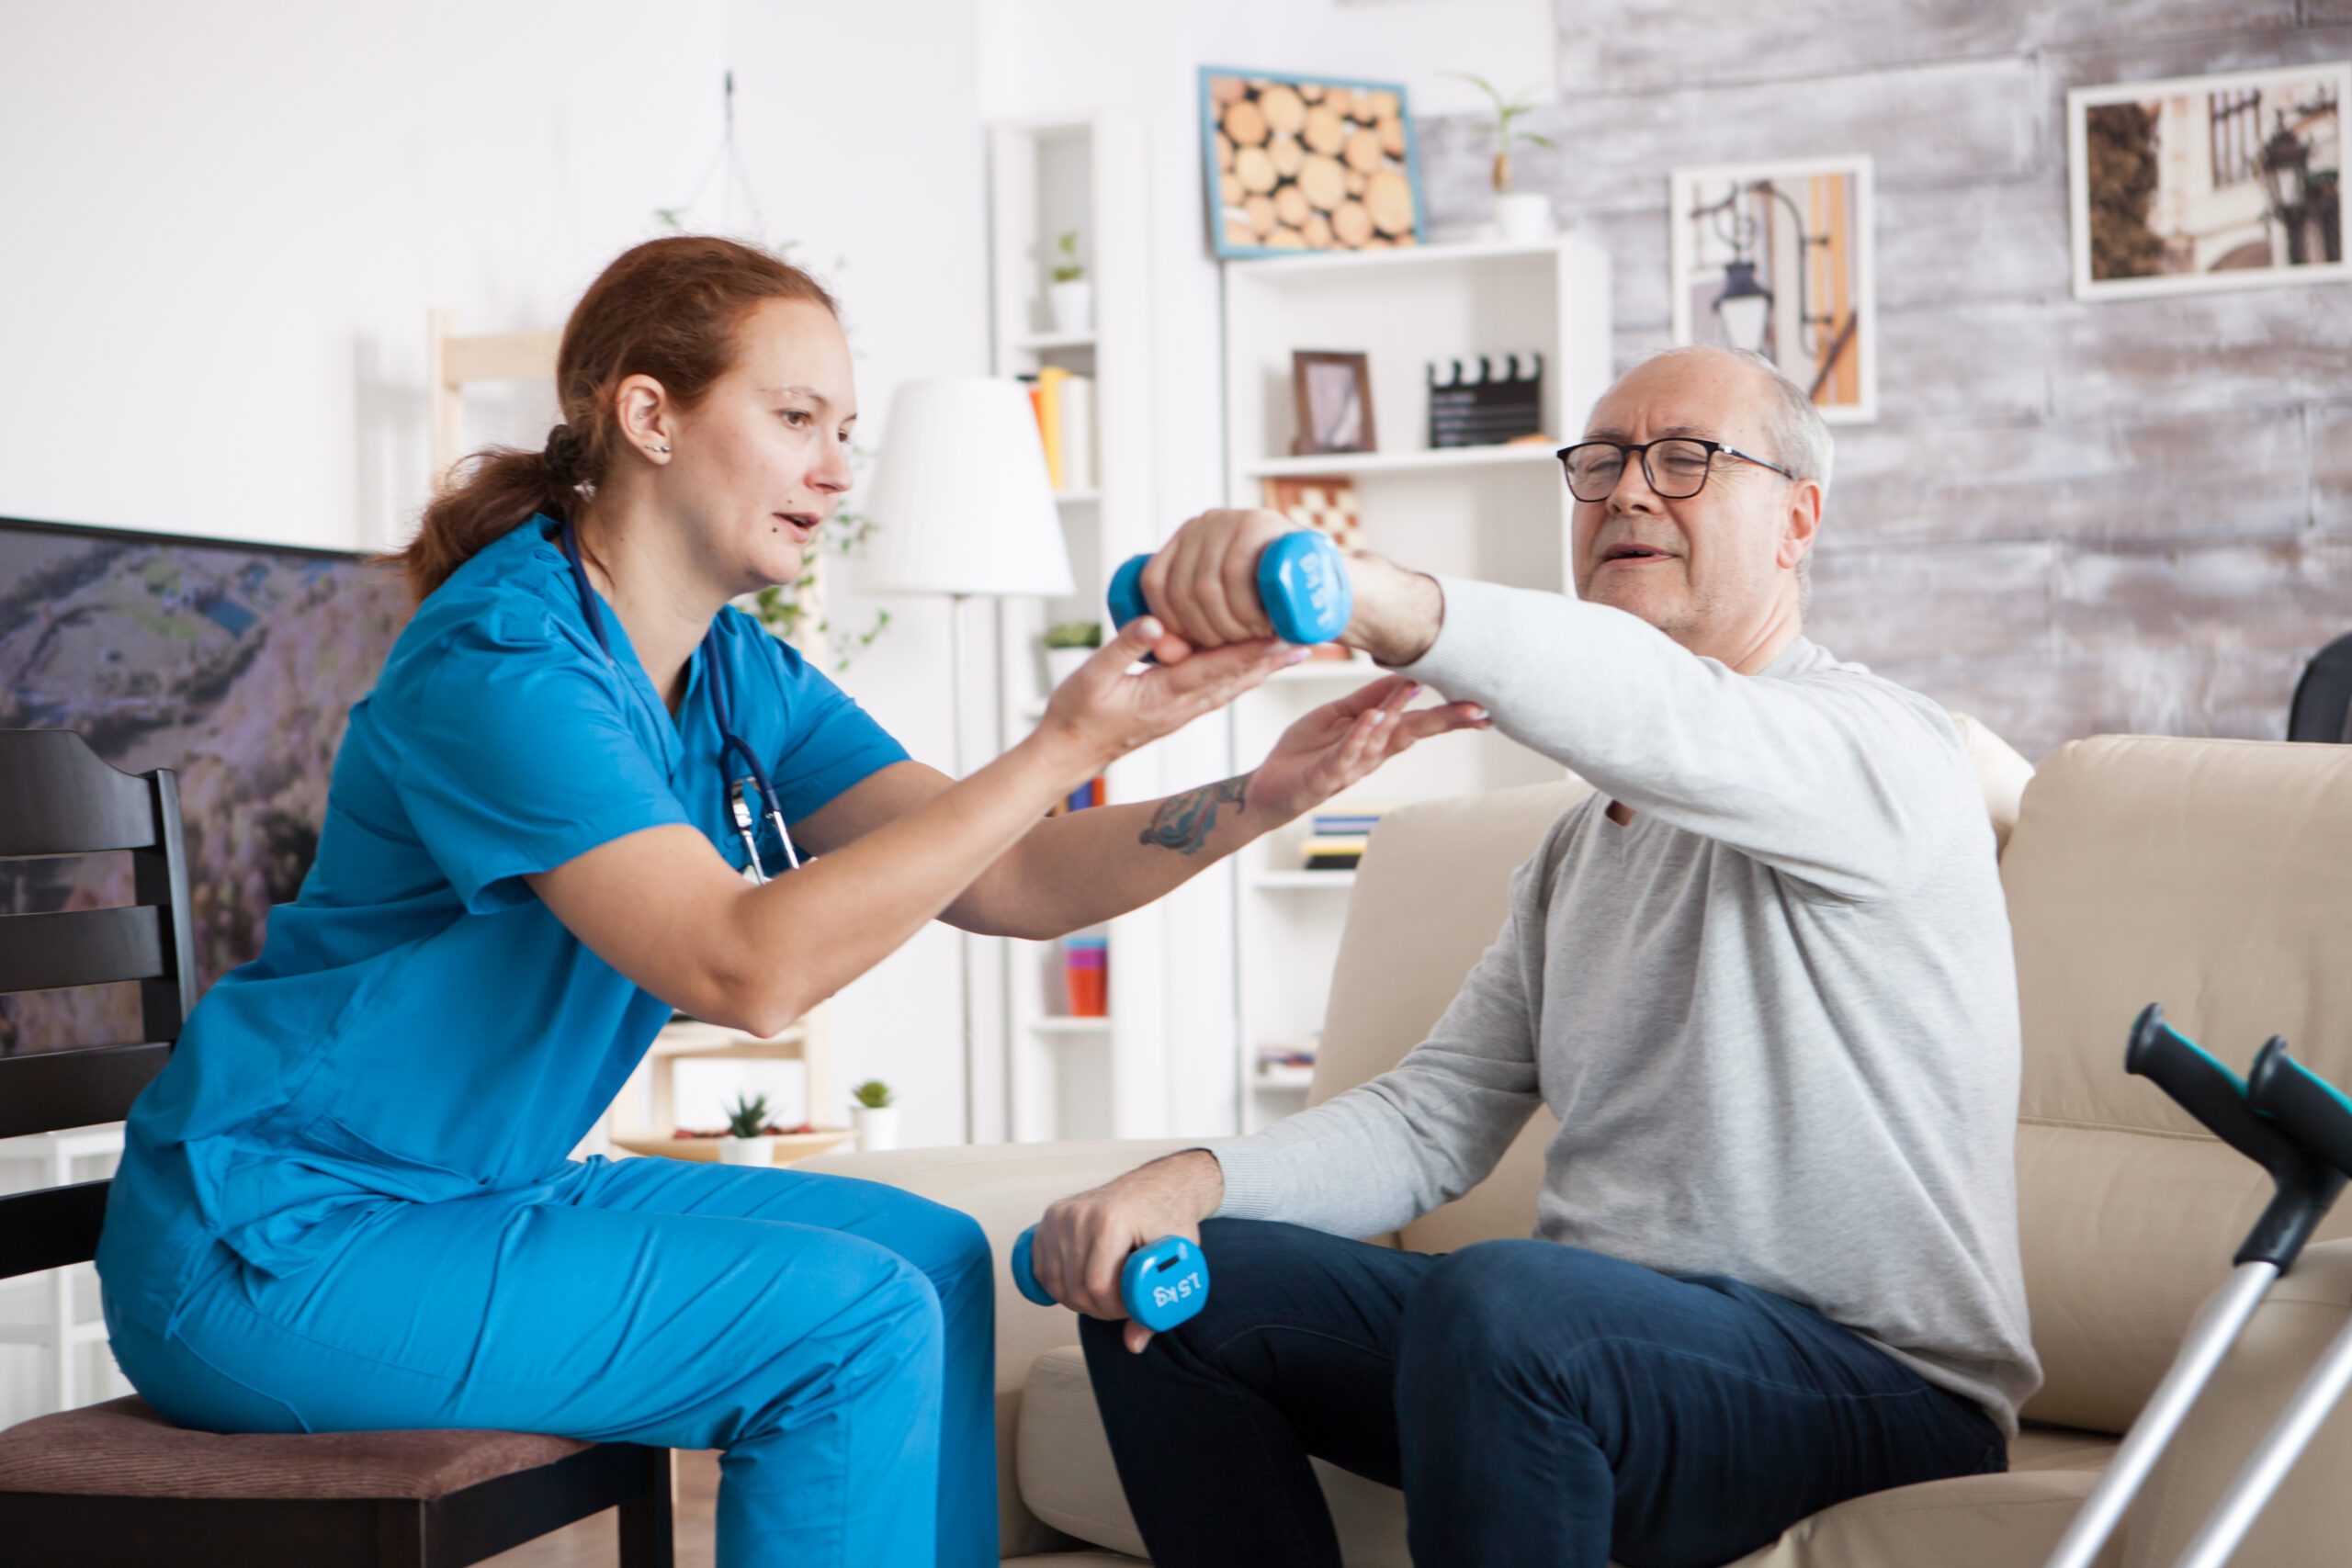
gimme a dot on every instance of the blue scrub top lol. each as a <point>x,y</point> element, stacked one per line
<point>419,1026</point>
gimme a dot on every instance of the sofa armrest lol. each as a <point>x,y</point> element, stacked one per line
<point>1006,1187</point>
<point>2311,1517</point>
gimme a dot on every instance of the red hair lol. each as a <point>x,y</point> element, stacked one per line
<point>668,309</point>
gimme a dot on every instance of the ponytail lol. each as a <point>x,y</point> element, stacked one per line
<point>667,309</point>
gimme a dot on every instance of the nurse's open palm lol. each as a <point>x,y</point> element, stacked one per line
<point>1109,711</point>
<point>1342,742</point>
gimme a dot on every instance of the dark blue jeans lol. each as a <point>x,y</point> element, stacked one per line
<point>1538,1404</point>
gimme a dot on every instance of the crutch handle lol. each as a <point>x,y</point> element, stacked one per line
<point>2216,1097</point>
<point>2311,1109</point>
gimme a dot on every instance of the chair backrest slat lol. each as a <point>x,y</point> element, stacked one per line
<point>79,947</point>
<point>64,799</point>
<point>73,1088</point>
<point>50,1228</point>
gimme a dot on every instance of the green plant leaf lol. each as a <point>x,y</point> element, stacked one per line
<point>748,1117</point>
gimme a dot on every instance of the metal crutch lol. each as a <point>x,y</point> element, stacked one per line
<point>2306,1189</point>
<point>2310,1110</point>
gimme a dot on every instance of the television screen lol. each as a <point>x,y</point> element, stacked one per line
<point>236,665</point>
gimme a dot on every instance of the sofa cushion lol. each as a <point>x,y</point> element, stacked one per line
<point>122,1449</point>
<point>1997,1521</point>
<point>2207,875</point>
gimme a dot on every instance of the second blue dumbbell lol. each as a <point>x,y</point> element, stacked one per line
<point>1302,580</point>
<point>1163,1284</point>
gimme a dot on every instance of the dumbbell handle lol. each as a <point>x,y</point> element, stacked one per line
<point>1302,581</point>
<point>1160,1285</point>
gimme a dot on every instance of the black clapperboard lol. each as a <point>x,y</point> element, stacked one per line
<point>1487,400</point>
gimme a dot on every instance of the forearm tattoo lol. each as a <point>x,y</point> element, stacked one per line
<point>1183,822</point>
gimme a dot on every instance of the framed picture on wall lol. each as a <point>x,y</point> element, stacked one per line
<point>1308,164</point>
<point>1776,258</point>
<point>2199,183</point>
<point>1333,396</point>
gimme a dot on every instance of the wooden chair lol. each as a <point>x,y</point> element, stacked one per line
<point>116,1482</point>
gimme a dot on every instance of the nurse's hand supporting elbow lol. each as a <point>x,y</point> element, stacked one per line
<point>1083,1241</point>
<point>1204,584</point>
<point>1105,711</point>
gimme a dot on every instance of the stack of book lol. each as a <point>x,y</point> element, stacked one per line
<point>1090,792</point>
<point>1064,407</point>
<point>1336,839</point>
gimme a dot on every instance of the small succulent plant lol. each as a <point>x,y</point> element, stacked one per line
<point>872,1094</point>
<point>748,1117</point>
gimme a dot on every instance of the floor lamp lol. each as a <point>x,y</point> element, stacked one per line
<point>962,506</point>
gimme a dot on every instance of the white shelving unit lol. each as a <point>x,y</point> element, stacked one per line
<point>1497,512</point>
<point>1076,1078</point>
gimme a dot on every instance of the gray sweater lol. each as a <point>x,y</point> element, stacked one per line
<point>1776,1014</point>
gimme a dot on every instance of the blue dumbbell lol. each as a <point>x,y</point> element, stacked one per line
<point>1162,1284</point>
<point>1302,580</point>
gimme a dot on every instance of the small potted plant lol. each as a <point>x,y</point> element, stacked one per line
<point>876,1116</point>
<point>1067,646</point>
<point>1071,297</point>
<point>1522,216</point>
<point>746,1141</point>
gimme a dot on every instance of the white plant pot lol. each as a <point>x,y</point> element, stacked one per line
<point>1073,306</point>
<point>1061,663</point>
<point>1523,216</point>
<point>733,1150</point>
<point>876,1130</point>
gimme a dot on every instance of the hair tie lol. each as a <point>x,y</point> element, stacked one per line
<point>562,455</point>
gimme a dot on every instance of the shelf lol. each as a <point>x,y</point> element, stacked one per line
<point>1285,1078</point>
<point>1283,881</point>
<point>1077,497</point>
<point>1328,670</point>
<point>1070,1025</point>
<point>1409,256</point>
<point>1041,342</point>
<point>1429,459</point>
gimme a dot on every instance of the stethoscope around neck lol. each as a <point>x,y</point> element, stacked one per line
<point>740,810</point>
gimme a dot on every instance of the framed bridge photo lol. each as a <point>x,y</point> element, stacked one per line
<point>2199,183</point>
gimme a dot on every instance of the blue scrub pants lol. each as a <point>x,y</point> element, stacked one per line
<point>1538,1404</point>
<point>835,1338</point>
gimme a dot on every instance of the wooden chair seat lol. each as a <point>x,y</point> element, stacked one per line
<point>123,1448</point>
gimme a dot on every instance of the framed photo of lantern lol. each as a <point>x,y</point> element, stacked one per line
<point>1776,258</point>
<point>1308,164</point>
<point>2199,183</point>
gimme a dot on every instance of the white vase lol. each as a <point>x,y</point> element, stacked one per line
<point>1073,306</point>
<point>733,1150</point>
<point>878,1128</point>
<point>1523,216</point>
<point>1061,663</point>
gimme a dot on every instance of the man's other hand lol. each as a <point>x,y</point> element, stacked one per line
<point>1083,1241</point>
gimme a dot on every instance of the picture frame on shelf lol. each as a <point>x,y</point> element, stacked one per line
<point>2193,184</point>
<point>1778,258</point>
<point>1305,163</point>
<point>1331,392</point>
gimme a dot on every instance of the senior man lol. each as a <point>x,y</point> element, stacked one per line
<point>1762,976</point>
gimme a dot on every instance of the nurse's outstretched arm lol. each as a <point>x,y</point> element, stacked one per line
<point>662,908</point>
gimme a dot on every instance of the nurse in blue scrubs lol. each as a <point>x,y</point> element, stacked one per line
<point>575,800</point>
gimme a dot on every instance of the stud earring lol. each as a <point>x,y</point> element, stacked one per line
<point>664,450</point>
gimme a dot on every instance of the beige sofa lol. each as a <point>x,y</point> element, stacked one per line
<point>2212,875</point>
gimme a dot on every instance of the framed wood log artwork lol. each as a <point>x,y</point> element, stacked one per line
<point>1308,164</point>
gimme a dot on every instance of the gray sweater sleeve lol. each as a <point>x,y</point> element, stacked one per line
<point>1423,1133</point>
<point>1845,783</point>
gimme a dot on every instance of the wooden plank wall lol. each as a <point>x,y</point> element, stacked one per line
<point>2069,519</point>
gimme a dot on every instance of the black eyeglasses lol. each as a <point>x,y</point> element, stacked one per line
<point>1677,468</point>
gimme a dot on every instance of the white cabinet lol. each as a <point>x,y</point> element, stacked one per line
<point>1066,1076</point>
<point>1497,512</point>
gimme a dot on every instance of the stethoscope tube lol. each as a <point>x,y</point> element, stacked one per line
<point>740,810</point>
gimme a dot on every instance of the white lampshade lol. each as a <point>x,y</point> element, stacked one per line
<point>961,503</point>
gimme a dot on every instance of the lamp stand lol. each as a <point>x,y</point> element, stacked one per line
<point>957,621</point>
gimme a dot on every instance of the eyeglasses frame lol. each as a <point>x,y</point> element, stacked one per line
<point>1628,449</point>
